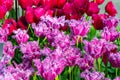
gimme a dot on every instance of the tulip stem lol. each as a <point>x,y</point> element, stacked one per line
<point>29,27</point>
<point>56,12</point>
<point>57,78</point>
<point>106,71</point>
<point>87,18</point>
<point>70,78</point>
<point>72,72</point>
<point>99,64</point>
<point>95,67</point>
<point>34,77</point>
<point>44,39</point>
<point>77,43</point>
<point>38,40</point>
<point>116,72</point>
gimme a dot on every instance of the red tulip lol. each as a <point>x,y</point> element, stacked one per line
<point>97,22</point>
<point>49,4</point>
<point>36,2</point>
<point>29,15</point>
<point>110,9</point>
<point>8,4</point>
<point>60,3</point>
<point>93,9</point>
<point>38,12</point>
<point>3,11</point>
<point>10,24</point>
<point>81,6</point>
<point>99,1</point>
<point>49,12</point>
<point>25,3</point>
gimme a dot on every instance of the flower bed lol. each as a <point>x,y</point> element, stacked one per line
<point>59,40</point>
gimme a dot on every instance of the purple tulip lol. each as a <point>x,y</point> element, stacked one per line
<point>21,36</point>
<point>117,78</point>
<point>110,34</point>
<point>94,48</point>
<point>50,67</point>
<point>71,54</point>
<point>114,59</point>
<point>30,50</point>
<point>87,75</point>
<point>87,62</point>
<point>111,22</point>
<point>79,27</point>
<point>3,35</point>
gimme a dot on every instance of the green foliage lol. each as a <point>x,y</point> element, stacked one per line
<point>91,34</point>
<point>17,56</point>
<point>12,40</point>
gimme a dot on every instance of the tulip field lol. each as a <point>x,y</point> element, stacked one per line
<point>59,40</point>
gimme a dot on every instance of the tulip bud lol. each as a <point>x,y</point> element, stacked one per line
<point>93,8</point>
<point>110,9</point>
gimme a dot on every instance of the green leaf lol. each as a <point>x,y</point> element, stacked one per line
<point>17,56</point>
<point>91,33</point>
<point>118,28</point>
<point>12,14</point>
<point>12,40</point>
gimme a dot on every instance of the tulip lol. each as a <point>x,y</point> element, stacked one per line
<point>93,8</point>
<point>29,15</point>
<point>110,9</point>
<point>10,24</point>
<point>99,1</point>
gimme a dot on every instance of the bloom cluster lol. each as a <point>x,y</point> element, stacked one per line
<point>5,5</point>
<point>64,53</point>
<point>60,40</point>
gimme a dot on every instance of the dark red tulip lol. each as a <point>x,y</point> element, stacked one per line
<point>22,23</point>
<point>58,12</point>
<point>64,28</point>
<point>75,16</point>
<point>81,6</point>
<point>97,22</point>
<point>60,3</point>
<point>110,9</point>
<point>69,10</point>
